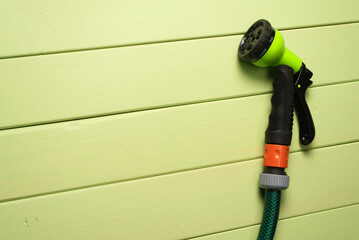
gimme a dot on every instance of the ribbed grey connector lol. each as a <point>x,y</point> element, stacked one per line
<point>273,181</point>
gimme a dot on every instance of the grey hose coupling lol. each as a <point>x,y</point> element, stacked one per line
<point>273,181</point>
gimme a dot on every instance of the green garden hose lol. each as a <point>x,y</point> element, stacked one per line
<point>270,214</point>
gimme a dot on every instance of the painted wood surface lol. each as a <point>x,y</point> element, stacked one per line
<point>60,87</point>
<point>334,224</point>
<point>37,26</point>
<point>184,205</point>
<point>135,120</point>
<point>75,154</point>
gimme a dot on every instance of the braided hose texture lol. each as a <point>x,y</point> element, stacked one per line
<point>270,215</point>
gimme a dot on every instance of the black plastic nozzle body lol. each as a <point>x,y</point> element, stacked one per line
<point>280,125</point>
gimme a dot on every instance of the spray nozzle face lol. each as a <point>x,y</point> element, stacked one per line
<point>256,41</point>
<point>263,46</point>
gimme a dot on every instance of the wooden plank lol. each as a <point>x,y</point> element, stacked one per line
<point>185,204</point>
<point>76,85</point>
<point>75,154</point>
<point>37,27</point>
<point>340,223</point>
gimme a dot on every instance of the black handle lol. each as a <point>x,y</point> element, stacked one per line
<point>280,125</point>
<point>306,124</point>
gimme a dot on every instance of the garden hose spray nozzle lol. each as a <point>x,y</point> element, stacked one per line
<point>263,46</point>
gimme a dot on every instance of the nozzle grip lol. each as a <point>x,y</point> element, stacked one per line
<point>280,125</point>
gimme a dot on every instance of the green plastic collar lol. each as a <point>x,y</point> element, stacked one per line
<point>278,54</point>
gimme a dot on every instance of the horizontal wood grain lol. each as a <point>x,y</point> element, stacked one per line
<point>80,153</point>
<point>185,204</point>
<point>60,87</point>
<point>37,27</point>
<point>340,223</point>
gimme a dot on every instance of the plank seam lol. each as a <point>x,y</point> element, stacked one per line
<point>166,41</point>
<point>86,187</point>
<point>213,100</point>
<point>281,219</point>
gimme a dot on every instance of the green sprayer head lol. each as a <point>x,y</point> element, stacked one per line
<point>263,46</point>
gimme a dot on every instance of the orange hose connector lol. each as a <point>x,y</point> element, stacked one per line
<point>276,155</point>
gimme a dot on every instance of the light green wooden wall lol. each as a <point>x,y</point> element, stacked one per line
<point>135,120</point>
